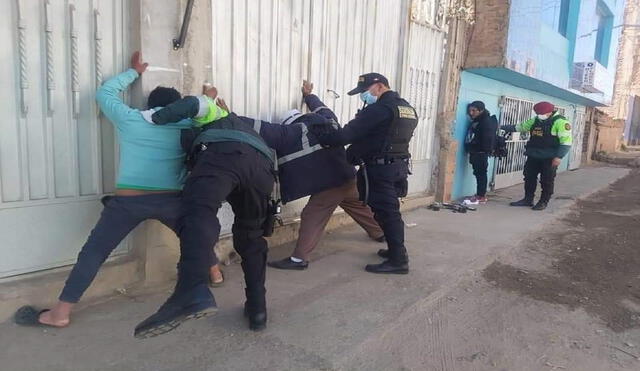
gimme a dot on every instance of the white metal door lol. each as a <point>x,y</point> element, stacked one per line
<point>578,136</point>
<point>56,154</point>
<point>420,85</point>
<point>509,169</point>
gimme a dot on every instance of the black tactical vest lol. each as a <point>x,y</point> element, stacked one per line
<point>540,134</point>
<point>405,120</point>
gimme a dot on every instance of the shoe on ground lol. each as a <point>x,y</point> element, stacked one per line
<point>183,305</point>
<point>479,199</point>
<point>289,264</point>
<point>524,202</point>
<point>383,253</point>
<point>388,267</point>
<point>257,320</point>
<point>470,201</point>
<point>541,205</point>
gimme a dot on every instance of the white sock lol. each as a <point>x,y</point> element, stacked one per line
<point>296,260</point>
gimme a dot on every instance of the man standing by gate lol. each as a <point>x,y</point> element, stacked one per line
<point>379,136</point>
<point>550,140</point>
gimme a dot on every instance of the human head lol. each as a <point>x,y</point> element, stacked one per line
<point>162,97</point>
<point>543,110</point>
<point>475,109</point>
<point>290,117</point>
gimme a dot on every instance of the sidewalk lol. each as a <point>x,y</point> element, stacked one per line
<point>332,316</point>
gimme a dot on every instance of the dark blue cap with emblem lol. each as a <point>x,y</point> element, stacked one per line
<point>366,80</point>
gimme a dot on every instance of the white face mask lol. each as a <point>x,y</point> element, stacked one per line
<point>543,117</point>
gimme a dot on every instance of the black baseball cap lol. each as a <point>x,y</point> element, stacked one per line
<point>366,80</point>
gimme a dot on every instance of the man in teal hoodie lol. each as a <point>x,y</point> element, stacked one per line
<point>150,178</point>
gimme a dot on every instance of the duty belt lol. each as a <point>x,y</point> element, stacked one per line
<point>386,160</point>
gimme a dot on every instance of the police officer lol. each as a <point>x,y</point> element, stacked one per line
<point>379,136</point>
<point>236,165</point>
<point>550,140</point>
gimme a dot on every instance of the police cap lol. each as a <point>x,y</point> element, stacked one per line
<point>366,80</point>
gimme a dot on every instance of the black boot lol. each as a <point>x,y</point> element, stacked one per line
<point>388,267</point>
<point>541,205</point>
<point>256,311</point>
<point>527,201</point>
<point>383,253</point>
<point>183,305</point>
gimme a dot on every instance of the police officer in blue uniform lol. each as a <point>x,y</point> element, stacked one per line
<point>379,138</point>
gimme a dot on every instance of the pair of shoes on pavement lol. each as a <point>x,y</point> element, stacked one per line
<point>475,200</point>
<point>290,264</point>
<point>540,205</point>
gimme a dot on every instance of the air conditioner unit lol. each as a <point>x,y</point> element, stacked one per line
<point>588,77</point>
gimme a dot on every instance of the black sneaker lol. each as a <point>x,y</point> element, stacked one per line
<point>524,202</point>
<point>195,303</point>
<point>289,264</point>
<point>383,253</point>
<point>387,267</point>
<point>541,205</point>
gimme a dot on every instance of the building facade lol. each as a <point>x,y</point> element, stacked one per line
<point>525,51</point>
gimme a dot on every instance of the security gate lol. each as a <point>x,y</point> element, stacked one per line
<point>57,154</point>
<point>420,86</point>
<point>508,170</point>
<point>577,130</point>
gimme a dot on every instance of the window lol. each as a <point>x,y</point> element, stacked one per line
<point>603,35</point>
<point>555,13</point>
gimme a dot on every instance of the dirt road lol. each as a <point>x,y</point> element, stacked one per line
<point>567,299</point>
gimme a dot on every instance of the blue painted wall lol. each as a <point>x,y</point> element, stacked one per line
<point>476,87</point>
<point>538,48</point>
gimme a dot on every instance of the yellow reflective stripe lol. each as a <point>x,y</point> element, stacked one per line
<point>214,113</point>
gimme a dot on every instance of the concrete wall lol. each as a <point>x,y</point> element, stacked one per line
<point>476,87</point>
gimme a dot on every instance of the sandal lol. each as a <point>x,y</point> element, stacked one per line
<point>30,316</point>
<point>216,284</point>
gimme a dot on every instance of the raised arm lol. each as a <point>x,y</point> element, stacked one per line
<point>314,103</point>
<point>202,109</point>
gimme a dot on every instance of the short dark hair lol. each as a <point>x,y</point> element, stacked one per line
<point>479,105</point>
<point>162,97</point>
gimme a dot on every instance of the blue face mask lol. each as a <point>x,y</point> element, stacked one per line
<point>368,98</point>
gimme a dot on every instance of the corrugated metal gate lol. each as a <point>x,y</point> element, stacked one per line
<point>263,51</point>
<point>422,71</point>
<point>56,155</point>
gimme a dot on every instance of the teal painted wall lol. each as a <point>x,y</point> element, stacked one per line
<point>476,87</point>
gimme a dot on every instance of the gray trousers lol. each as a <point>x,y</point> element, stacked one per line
<point>121,214</point>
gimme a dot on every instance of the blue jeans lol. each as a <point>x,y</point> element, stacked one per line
<point>121,214</point>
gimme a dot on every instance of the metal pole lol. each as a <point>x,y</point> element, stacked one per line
<point>179,42</point>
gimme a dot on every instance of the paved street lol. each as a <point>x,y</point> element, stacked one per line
<point>487,291</point>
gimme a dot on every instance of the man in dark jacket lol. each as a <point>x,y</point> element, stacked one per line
<point>480,141</point>
<point>325,174</point>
